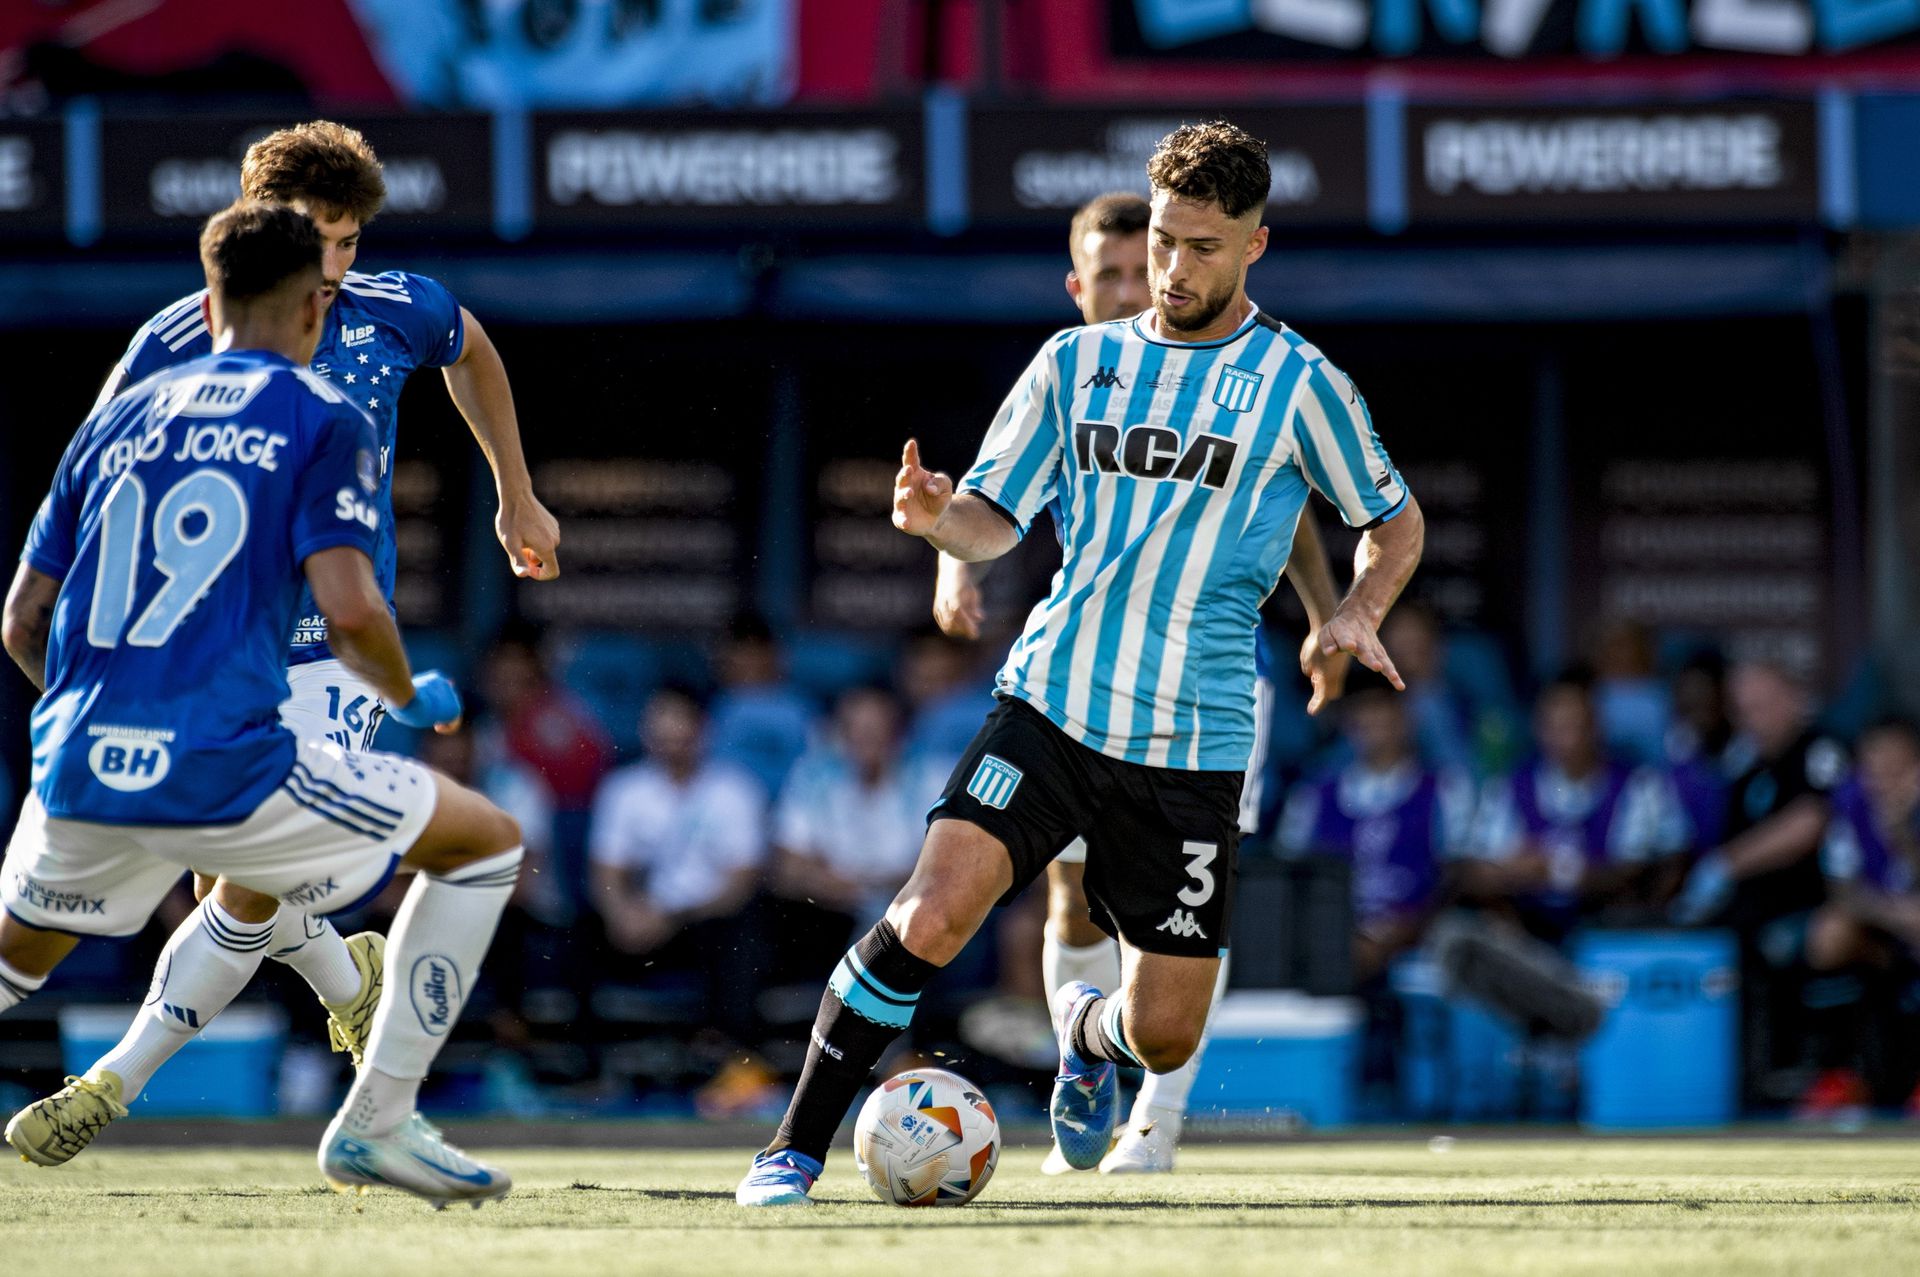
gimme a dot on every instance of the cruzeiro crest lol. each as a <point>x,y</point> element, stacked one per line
<point>1237,389</point>
<point>994,781</point>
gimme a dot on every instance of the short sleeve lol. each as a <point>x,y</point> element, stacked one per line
<point>1339,452</point>
<point>1018,470</point>
<point>336,498</point>
<point>435,330</point>
<point>173,336</point>
<point>607,843</point>
<point>53,538</point>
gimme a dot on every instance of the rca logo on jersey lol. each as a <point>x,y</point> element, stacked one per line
<point>435,986</point>
<point>129,759</point>
<point>1153,452</point>
<point>358,336</point>
<point>351,508</point>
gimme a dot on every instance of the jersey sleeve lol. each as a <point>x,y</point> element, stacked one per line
<point>173,336</point>
<point>1339,452</point>
<point>435,330</point>
<point>1018,470</point>
<point>335,497</point>
<point>53,537</point>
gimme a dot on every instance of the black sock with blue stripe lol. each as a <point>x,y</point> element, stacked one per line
<point>868,1003</point>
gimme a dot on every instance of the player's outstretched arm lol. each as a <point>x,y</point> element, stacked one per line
<point>1382,565</point>
<point>1311,572</point>
<point>957,606</point>
<point>477,381</point>
<point>28,622</point>
<point>363,636</point>
<point>966,526</point>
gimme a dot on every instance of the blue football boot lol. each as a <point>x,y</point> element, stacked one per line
<point>779,1179</point>
<point>1086,1096</point>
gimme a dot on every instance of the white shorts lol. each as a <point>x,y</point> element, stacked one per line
<point>326,841</point>
<point>327,701</point>
<point>1075,852</point>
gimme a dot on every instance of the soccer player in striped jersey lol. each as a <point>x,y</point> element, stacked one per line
<point>1107,240</point>
<point>377,331</point>
<point>1181,445</point>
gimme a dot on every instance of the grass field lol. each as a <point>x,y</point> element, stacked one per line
<point>1483,1207</point>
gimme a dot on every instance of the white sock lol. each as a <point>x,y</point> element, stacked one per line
<point>1167,1092</point>
<point>1061,964</point>
<point>17,986</point>
<point>312,947</point>
<point>433,957</point>
<point>206,964</point>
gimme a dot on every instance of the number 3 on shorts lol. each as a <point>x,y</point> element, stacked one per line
<point>1199,856</point>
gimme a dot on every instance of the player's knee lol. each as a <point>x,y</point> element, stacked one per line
<point>1163,1045</point>
<point>932,926</point>
<point>202,885</point>
<point>243,904</point>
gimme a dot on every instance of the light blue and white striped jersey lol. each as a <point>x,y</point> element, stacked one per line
<point>1180,471</point>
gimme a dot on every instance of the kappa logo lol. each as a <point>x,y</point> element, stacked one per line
<point>994,781</point>
<point>1181,924</point>
<point>357,336</point>
<point>1237,388</point>
<point>1104,378</point>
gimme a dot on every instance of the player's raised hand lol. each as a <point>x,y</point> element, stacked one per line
<point>920,496</point>
<point>1351,634</point>
<point>1325,671</point>
<point>531,537</point>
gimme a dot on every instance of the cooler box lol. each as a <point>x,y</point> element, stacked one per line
<point>1280,1056</point>
<point>1667,1053</point>
<point>232,1069</point>
<point>1458,1062</point>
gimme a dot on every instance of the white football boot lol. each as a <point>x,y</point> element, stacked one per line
<point>414,1158</point>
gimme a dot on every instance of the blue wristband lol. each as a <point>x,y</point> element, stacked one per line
<point>435,700</point>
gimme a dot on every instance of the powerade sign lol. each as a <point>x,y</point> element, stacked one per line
<point>161,177</point>
<point>1513,30</point>
<point>690,169</point>
<point>32,178</point>
<point>1033,165</point>
<point>1719,163</point>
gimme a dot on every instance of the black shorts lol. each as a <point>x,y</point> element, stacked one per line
<point>1162,845</point>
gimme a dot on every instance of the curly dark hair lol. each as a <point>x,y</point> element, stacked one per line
<point>249,249</point>
<point>329,167</point>
<point>1215,161</point>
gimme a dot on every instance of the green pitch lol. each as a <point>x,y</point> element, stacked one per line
<point>1482,1207</point>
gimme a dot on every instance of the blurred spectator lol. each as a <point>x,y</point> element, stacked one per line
<point>529,718</point>
<point>1575,831</point>
<point>1460,719</point>
<point>1701,744</point>
<point>1398,822</point>
<point>846,832</point>
<point>677,845</point>
<point>1635,711</point>
<point>759,721</point>
<point>1764,879</point>
<point>1862,944</point>
<point>948,693</point>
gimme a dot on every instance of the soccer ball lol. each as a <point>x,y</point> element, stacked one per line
<point>927,1138</point>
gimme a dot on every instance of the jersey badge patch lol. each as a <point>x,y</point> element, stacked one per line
<point>994,781</point>
<point>1237,389</point>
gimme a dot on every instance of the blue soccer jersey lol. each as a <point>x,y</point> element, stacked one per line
<point>1180,472</point>
<point>177,524</point>
<point>378,330</point>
